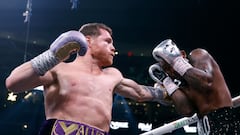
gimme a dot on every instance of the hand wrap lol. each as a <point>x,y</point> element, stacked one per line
<point>66,44</point>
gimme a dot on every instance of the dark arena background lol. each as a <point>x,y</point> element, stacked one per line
<point>27,28</point>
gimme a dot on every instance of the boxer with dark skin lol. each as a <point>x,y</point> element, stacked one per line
<point>203,89</point>
<point>78,95</point>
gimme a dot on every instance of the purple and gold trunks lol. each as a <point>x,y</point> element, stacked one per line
<point>64,127</point>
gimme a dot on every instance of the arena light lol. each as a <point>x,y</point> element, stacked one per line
<point>28,11</point>
<point>40,88</point>
<point>74,4</point>
<point>28,95</point>
<point>12,97</point>
<point>25,126</point>
<point>116,53</point>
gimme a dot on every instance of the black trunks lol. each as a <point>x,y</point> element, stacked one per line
<point>223,121</point>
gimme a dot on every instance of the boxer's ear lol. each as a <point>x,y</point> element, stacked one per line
<point>183,53</point>
<point>89,40</point>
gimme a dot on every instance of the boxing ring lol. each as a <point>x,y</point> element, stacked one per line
<point>168,128</point>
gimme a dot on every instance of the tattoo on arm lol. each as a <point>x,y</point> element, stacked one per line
<point>155,92</point>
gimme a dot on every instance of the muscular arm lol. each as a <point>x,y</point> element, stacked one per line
<point>34,72</point>
<point>200,76</point>
<point>182,104</point>
<point>197,72</point>
<point>23,78</point>
<point>130,89</point>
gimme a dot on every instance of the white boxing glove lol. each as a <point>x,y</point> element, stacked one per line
<point>162,78</point>
<point>168,51</point>
<point>157,73</point>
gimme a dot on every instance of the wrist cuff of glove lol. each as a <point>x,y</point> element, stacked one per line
<point>43,62</point>
<point>170,86</point>
<point>181,65</point>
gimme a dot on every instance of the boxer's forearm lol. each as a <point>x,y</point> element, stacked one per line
<point>182,104</point>
<point>22,78</point>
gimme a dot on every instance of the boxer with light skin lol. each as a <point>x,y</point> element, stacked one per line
<point>203,89</point>
<point>78,95</point>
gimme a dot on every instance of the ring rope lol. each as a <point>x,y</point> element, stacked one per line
<point>168,128</point>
